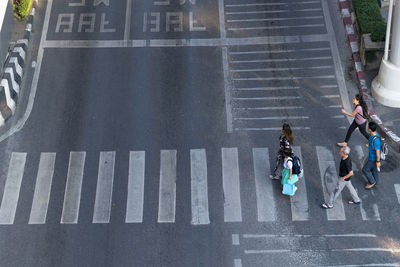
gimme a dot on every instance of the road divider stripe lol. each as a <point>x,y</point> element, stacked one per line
<point>135,200</point>
<point>12,188</point>
<point>167,188</point>
<point>105,179</point>
<point>41,195</point>
<point>73,188</point>
<point>199,188</point>
<point>231,185</point>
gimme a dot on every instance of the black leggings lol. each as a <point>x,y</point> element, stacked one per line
<point>353,126</point>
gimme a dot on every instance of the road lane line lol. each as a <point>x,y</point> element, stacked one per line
<point>127,29</point>
<point>167,188</point>
<point>105,179</point>
<point>273,11</point>
<point>270,108</point>
<point>12,187</point>
<point>278,51</point>
<point>41,196</point>
<point>267,98</point>
<point>134,205</point>
<point>231,185</point>
<point>273,19</point>
<point>267,88</point>
<point>235,239</point>
<point>281,69</point>
<point>272,4</point>
<point>336,59</point>
<point>275,27</point>
<point>329,179</point>
<point>359,157</point>
<point>237,262</point>
<point>271,128</point>
<point>278,60</point>
<point>276,118</point>
<point>265,196</point>
<point>284,78</point>
<point>299,202</point>
<point>199,188</point>
<point>73,187</point>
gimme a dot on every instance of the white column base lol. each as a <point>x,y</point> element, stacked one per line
<point>386,86</point>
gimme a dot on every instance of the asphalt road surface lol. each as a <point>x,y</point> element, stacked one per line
<point>148,129</point>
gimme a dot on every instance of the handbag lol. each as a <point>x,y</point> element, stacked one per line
<point>288,189</point>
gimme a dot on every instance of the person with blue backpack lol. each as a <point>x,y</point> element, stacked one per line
<point>290,173</point>
<point>373,164</point>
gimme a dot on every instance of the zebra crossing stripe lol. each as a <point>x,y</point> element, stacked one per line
<point>105,180</point>
<point>231,185</point>
<point>299,202</point>
<point>134,206</point>
<point>199,189</point>
<point>365,213</point>
<point>397,189</point>
<point>12,187</point>
<point>73,187</point>
<point>329,179</point>
<point>167,188</point>
<point>265,200</point>
<point>41,196</point>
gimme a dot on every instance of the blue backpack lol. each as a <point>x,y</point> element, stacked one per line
<point>296,169</point>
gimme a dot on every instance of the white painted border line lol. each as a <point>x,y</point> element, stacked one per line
<point>281,69</point>
<point>278,60</point>
<point>128,21</point>
<point>273,19</point>
<point>199,187</point>
<point>41,195</point>
<point>221,10</point>
<point>273,4</point>
<point>12,188</point>
<point>269,51</point>
<point>329,86</point>
<point>284,78</point>
<point>299,202</point>
<point>265,196</point>
<point>329,177</point>
<point>276,118</point>
<point>271,129</point>
<point>231,185</point>
<point>135,199</point>
<point>273,11</point>
<point>73,187</point>
<point>275,27</point>
<point>267,88</point>
<point>104,189</point>
<point>267,98</point>
<point>270,108</point>
<point>267,236</point>
<point>228,89</point>
<point>167,187</point>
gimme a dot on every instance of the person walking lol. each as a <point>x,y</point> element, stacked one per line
<point>360,113</point>
<point>373,164</point>
<point>345,174</point>
<point>285,141</point>
<point>288,177</point>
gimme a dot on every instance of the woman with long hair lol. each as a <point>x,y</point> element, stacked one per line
<point>360,114</point>
<point>285,141</point>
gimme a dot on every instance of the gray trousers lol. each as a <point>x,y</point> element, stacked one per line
<point>339,187</point>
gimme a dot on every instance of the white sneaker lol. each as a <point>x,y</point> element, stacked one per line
<point>295,189</point>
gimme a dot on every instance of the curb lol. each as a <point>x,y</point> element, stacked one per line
<point>12,73</point>
<point>385,132</point>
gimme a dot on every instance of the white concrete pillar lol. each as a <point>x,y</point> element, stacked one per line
<point>386,86</point>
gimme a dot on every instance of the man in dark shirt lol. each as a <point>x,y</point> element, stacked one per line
<point>345,173</point>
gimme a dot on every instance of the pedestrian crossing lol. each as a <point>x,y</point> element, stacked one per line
<point>266,204</point>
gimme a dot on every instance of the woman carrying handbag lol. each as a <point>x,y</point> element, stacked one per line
<point>288,177</point>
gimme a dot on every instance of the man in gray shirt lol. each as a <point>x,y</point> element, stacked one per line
<point>345,174</point>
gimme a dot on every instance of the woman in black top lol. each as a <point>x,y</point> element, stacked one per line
<point>285,141</point>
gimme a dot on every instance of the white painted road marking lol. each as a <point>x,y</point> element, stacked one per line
<point>73,188</point>
<point>12,187</point>
<point>199,188</point>
<point>329,179</point>
<point>41,196</point>
<point>397,189</point>
<point>264,187</point>
<point>167,188</point>
<point>231,185</point>
<point>105,179</point>
<point>299,202</point>
<point>134,205</point>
